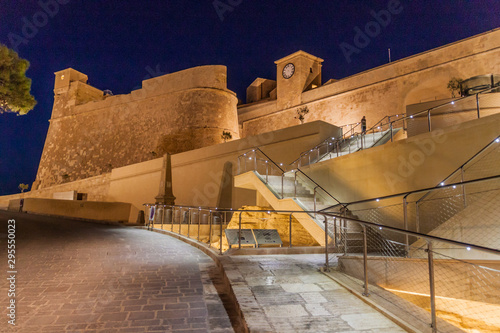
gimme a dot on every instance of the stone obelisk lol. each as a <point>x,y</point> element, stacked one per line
<point>165,195</point>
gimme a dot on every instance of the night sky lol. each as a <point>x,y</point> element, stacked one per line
<point>119,43</point>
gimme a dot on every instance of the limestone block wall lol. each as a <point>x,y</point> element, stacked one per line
<point>90,134</point>
<point>381,91</point>
<point>96,188</point>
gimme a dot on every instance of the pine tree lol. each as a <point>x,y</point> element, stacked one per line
<point>15,87</point>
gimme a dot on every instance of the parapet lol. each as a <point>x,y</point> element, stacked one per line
<point>214,76</point>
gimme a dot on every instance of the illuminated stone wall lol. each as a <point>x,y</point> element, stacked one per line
<point>90,134</point>
<point>375,93</point>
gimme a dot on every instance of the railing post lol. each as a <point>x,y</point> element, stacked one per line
<point>365,261</point>
<point>417,215</point>
<point>338,148</point>
<point>405,215</point>
<point>172,218</point>
<point>267,172</point>
<point>295,185</point>
<point>429,119</point>
<point>314,198</point>
<point>318,154</point>
<point>343,231</point>
<point>255,160</point>
<point>335,232</point>
<point>392,134</point>
<point>220,237</point>
<point>282,185</point>
<point>327,268</point>
<point>290,227</point>
<point>477,106</point>
<point>199,222</point>
<point>180,220</point>
<point>430,258</point>
<point>239,165</point>
<point>210,220</point>
<point>189,221</point>
<point>239,232</point>
<point>462,173</point>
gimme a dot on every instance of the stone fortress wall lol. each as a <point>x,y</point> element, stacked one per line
<point>91,133</point>
<point>376,93</point>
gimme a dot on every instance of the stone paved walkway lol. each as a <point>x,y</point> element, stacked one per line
<point>289,294</point>
<point>85,277</point>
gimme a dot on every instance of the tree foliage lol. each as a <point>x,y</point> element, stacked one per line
<point>23,187</point>
<point>455,86</point>
<point>226,135</point>
<point>15,87</point>
<point>301,112</point>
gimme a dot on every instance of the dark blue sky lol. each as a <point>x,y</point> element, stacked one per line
<point>117,43</point>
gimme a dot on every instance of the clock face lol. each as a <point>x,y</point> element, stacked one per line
<point>288,70</point>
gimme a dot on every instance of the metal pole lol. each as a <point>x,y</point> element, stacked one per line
<point>189,221</point>
<point>392,135</point>
<point>365,261</point>
<point>429,119</point>
<point>477,105</point>
<point>255,160</point>
<point>417,222</point>
<point>432,286</point>
<point>315,202</point>
<point>199,222</point>
<point>405,214</point>
<point>327,260</point>
<point>282,181</point>
<point>295,186</point>
<point>318,154</point>
<point>180,220</point>
<point>463,186</point>
<point>220,238</point>
<point>172,219</point>
<point>239,232</point>
<point>239,165</point>
<point>290,234</point>
<point>162,217</point>
<point>210,229</point>
<point>334,232</point>
<point>267,172</point>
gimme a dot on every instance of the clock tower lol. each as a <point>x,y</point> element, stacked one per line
<point>296,73</point>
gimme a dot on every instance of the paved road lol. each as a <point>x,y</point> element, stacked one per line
<point>84,277</point>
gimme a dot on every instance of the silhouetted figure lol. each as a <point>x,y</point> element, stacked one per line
<point>363,125</point>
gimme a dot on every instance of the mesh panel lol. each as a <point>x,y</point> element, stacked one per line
<point>467,291</point>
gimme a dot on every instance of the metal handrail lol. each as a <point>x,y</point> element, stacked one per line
<point>317,185</point>
<point>405,194</point>
<point>346,136</point>
<point>284,172</point>
<point>496,140</point>
<point>428,111</point>
<point>337,216</point>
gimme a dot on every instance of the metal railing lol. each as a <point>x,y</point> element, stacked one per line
<point>481,104</point>
<point>429,280</point>
<point>349,142</point>
<point>284,184</point>
<point>471,107</point>
<point>454,290</point>
<point>436,205</point>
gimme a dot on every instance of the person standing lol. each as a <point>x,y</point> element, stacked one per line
<point>363,125</point>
